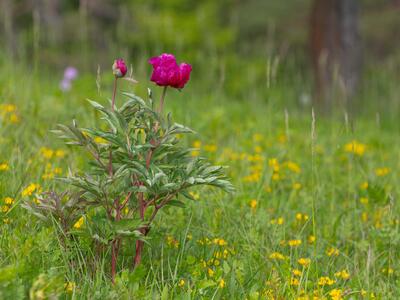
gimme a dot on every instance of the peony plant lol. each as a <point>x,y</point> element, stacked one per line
<point>137,168</point>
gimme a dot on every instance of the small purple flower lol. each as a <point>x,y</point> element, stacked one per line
<point>65,85</point>
<point>70,73</point>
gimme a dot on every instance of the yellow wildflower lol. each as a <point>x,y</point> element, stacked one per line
<point>4,167</point>
<point>195,153</point>
<point>221,283</point>
<point>388,271</point>
<point>100,140</point>
<point>311,239</point>
<point>274,164</point>
<point>8,200</point>
<point>355,148</point>
<point>30,189</point>
<point>343,274</point>
<point>173,243</point>
<point>278,221</point>
<point>296,272</point>
<point>253,203</point>
<point>332,252</point>
<point>304,261</point>
<point>364,216</point>
<point>292,166</point>
<point>69,286</point>
<point>181,283</point>
<point>258,149</point>
<point>325,280</point>
<point>220,242</point>
<point>364,185</point>
<point>294,243</point>
<point>60,153</point>
<point>46,152</point>
<point>7,108</point>
<point>210,148</point>
<point>210,272</point>
<point>277,256</point>
<point>382,171</point>
<point>78,224</point>
<point>294,281</point>
<point>5,208</point>
<point>14,118</point>
<point>302,217</point>
<point>197,144</point>
<point>196,196</point>
<point>296,186</point>
<point>225,253</point>
<point>336,294</point>
<point>276,177</point>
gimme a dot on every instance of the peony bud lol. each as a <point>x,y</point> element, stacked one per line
<point>166,71</point>
<point>119,68</point>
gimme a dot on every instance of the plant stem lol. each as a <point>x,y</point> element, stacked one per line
<point>139,244</point>
<point>114,93</point>
<point>161,108</point>
<point>113,260</point>
<point>142,204</point>
<point>115,243</point>
<point>110,170</point>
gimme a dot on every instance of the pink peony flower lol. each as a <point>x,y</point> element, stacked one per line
<point>119,68</point>
<point>166,72</point>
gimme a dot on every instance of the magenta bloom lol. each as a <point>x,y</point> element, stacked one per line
<point>119,68</point>
<point>166,72</point>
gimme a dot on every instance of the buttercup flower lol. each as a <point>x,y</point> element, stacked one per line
<point>166,72</point>
<point>119,68</point>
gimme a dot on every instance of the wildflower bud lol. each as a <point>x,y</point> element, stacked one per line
<point>119,68</point>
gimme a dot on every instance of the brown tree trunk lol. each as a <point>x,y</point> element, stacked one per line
<point>335,48</point>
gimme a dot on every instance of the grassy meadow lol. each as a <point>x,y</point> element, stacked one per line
<point>314,215</point>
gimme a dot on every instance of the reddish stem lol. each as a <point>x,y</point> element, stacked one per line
<point>116,243</point>
<point>139,244</point>
<point>142,204</point>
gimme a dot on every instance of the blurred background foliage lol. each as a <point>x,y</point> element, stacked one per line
<point>234,45</point>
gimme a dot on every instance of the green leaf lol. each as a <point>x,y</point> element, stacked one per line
<point>206,283</point>
<point>176,203</point>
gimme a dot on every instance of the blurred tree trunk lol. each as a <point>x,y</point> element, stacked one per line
<point>7,17</point>
<point>336,49</point>
<point>49,17</point>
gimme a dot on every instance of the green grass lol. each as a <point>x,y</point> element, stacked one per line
<point>249,128</point>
